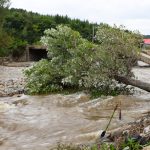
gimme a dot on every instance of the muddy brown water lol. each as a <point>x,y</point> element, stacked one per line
<point>40,122</point>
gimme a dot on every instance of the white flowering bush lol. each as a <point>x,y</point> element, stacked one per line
<point>62,69</point>
<point>42,78</point>
<point>74,62</point>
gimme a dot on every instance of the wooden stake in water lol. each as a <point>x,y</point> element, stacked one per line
<point>120,114</point>
<point>104,132</point>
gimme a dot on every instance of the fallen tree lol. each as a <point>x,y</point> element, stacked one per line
<point>74,62</point>
<point>137,83</point>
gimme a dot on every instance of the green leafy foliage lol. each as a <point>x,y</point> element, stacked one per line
<point>43,78</point>
<point>132,144</point>
<point>5,39</point>
<point>5,42</point>
<point>11,46</point>
<point>4,4</point>
<point>121,48</point>
<point>55,73</point>
<point>30,26</point>
<point>18,47</point>
<point>146,36</point>
<point>74,62</point>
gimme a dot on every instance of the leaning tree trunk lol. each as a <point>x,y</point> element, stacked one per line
<point>137,83</point>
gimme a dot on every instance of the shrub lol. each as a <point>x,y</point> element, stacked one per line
<point>18,47</point>
<point>5,42</point>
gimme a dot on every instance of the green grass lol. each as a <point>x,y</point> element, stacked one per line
<point>130,143</point>
<point>84,147</point>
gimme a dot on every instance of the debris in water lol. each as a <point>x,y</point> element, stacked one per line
<point>104,132</point>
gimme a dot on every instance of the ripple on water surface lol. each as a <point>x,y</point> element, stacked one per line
<point>42,121</point>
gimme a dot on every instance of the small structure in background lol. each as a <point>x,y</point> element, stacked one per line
<point>33,53</point>
<point>146,44</point>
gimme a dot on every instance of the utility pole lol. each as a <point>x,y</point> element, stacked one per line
<point>93,34</point>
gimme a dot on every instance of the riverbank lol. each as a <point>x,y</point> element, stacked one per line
<point>12,87</point>
<point>11,81</point>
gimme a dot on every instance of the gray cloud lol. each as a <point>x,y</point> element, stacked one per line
<point>132,13</point>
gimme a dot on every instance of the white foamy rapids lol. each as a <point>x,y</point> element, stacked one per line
<point>5,106</point>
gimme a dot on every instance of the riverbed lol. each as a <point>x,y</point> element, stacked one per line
<point>40,122</point>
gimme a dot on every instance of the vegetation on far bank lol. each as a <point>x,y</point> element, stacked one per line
<point>19,27</point>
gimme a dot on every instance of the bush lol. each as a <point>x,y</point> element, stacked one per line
<point>5,42</point>
<point>11,46</point>
<point>18,47</point>
<point>43,78</point>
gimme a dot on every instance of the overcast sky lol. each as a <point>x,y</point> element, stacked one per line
<point>134,14</point>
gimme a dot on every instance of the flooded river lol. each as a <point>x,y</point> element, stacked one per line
<point>40,122</point>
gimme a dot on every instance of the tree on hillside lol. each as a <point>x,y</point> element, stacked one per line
<point>5,39</point>
<point>3,5</point>
<point>30,26</point>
